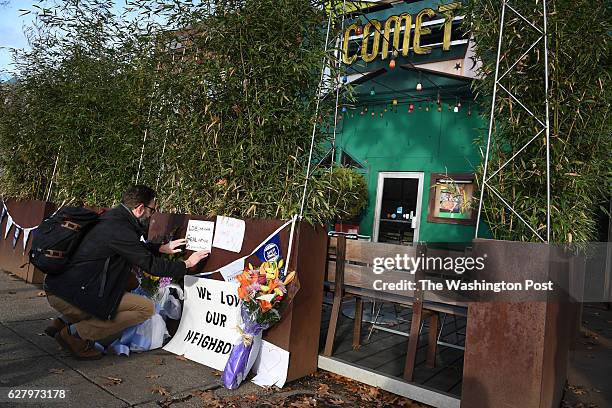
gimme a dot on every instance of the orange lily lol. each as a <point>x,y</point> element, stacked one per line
<point>243,293</point>
<point>265,305</point>
<point>273,284</point>
<point>244,278</point>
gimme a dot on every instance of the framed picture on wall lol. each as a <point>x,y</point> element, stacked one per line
<point>451,199</point>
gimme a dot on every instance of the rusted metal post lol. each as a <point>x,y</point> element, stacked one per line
<point>338,292</point>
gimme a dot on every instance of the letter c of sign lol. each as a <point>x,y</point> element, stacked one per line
<point>348,60</point>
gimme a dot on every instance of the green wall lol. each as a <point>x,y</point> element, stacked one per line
<point>422,141</point>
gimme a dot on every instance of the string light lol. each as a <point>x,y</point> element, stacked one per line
<point>395,102</point>
<point>392,64</point>
<point>372,92</point>
<point>343,109</point>
<point>359,28</point>
<point>419,85</point>
<point>345,79</point>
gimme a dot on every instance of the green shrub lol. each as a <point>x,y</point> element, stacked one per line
<point>225,92</point>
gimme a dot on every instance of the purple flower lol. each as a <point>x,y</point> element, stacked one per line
<point>254,287</point>
<point>165,281</point>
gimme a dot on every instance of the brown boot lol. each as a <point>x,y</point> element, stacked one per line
<point>80,349</point>
<point>56,325</point>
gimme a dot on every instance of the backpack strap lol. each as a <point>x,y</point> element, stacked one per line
<point>71,226</point>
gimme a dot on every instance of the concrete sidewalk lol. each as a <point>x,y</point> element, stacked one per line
<point>31,360</point>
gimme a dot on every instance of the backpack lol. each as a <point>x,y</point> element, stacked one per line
<point>56,239</point>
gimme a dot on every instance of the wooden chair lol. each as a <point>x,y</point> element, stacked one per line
<point>349,262</point>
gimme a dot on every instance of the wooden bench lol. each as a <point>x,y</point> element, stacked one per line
<point>350,274</point>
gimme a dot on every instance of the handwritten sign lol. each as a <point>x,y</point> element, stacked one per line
<point>199,235</point>
<point>271,366</point>
<point>229,234</point>
<point>207,332</point>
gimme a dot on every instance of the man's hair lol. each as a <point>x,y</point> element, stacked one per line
<point>136,195</point>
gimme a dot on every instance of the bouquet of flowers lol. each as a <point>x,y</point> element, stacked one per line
<point>262,294</point>
<point>152,285</point>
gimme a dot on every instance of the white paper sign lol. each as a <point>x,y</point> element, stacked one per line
<point>199,235</point>
<point>207,332</point>
<point>271,366</point>
<point>229,234</point>
<point>229,272</point>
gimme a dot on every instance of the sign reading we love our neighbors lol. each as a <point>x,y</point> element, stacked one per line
<point>207,332</point>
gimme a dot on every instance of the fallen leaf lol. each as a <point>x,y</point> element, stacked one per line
<point>323,389</point>
<point>154,375</point>
<point>371,395</point>
<point>577,389</point>
<point>160,361</point>
<point>181,358</point>
<point>158,389</point>
<point>217,373</point>
<point>113,380</point>
<point>336,402</point>
<point>41,294</point>
<point>206,396</point>
<point>56,370</point>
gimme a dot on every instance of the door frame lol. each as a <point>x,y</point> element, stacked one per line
<point>382,175</point>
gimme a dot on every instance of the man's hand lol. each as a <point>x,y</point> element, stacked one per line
<point>196,257</point>
<point>171,247</point>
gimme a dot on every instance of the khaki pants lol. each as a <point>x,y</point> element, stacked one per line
<point>132,310</point>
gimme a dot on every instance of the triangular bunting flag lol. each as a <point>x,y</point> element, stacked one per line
<point>16,236</point>
<point>26,235</point>
<point>9,224</point>
<point>3,212</point>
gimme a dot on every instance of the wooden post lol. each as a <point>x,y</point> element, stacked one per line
<point>432,340</point>
<point>338,292</point>
<point>415,322</point>
<point>357,322</point>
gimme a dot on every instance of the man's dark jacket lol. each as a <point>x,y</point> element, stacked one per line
<point>116,238</point>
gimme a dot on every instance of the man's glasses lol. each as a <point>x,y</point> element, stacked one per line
<point>153,210</point>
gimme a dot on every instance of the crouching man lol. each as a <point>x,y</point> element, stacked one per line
<point>91,293</point>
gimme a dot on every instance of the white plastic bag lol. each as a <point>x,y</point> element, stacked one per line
<point>153,331</point>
